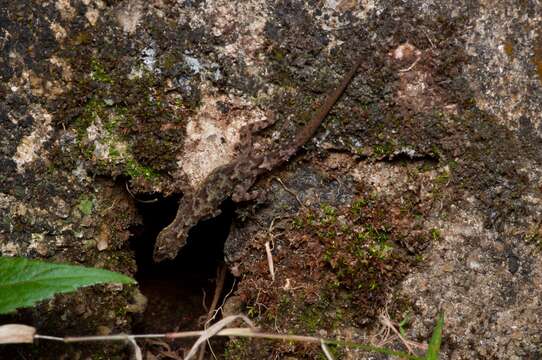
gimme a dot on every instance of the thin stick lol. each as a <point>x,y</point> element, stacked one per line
<point>221,275</point>
<point>213,330</point>
<point>270,260</point>
<point>138,355</point>
<point>118,337</point>
<point>291,192</point>
<point>239,332</point>
<point>384,318</point>
<point>411,66</point>
<point>326,351</point>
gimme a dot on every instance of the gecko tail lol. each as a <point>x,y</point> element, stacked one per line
<point>308,131</point>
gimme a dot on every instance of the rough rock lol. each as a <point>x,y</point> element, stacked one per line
<point>421,193</point>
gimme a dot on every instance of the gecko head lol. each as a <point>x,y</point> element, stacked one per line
<point>168,244</point>
<point>160,255</point>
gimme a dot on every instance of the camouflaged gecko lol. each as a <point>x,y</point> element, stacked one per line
<point>235,179</point>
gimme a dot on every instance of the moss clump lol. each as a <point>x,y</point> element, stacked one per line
<point>92,109</point>
<point>86,204</point>
<point>361,257</point>
<point>384,149</point>
<point>136,129</point>
<point>357,206</point>
<point>110,121</point>
<point>339,262</point>
<point>237,349</point>
<point>98,72</point>
<point>435,234</point>
<point>443,178</point>
<point>134,169</point>
<point>534,236</point>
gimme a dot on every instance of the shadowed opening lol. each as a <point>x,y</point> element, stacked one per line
<point>175,289</point>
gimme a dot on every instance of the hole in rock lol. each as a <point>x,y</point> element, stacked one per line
<point>175,288</point>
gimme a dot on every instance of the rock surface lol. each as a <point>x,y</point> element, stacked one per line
<point>421,193</point>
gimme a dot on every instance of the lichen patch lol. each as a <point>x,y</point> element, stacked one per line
<point>29,149</point>
<point>250,39</point>
<point>58,31</point>
<point>213,133</point>
<point>92,16</point>
<point>129,16</point>
<point>67,11</point>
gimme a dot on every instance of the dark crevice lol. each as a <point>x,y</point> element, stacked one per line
<point>403,158</point>
<point>174,289</point>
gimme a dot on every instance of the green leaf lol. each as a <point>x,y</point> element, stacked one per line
<point>85,206</point>
<point>24,282</point>
<point>403,323</point>
<point>433,349</point>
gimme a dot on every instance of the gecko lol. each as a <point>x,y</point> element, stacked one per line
<point>234,179</point>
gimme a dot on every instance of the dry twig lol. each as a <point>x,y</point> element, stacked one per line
<point>270,260</point>
<point>219,329</point>
<point>289,191</point>
<point>221,276</point>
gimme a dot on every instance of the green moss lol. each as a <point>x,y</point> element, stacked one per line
<point>443,178</point>
<point>114,153</point>
<point>311,318</point>
<point>330,214</point>
<point>334,351</point>
<point>121,311</point>
<point>82,38</point>
<point>385,149</point>
<point>169,60</point>
<point>111,125</point>
<point>252,311</point>
<point>364,247</point>
<point>435,234</point>
<point>86,205</point>
<point>278,54</point>
<point>380,250</point>
<point>358,205</point>
<point>298,222</point>
<point>135,169</point>
<point>6,221</point>
<point>307,318</point>
<point>99,73</point>
<point>92,109</point>
<point>237,349</point>
<point>533,236</point>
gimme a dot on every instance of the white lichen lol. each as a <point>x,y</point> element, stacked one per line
<point>30,147</point>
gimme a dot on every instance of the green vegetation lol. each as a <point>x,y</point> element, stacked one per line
<point>385,149</point>
<point>24,282</point>
<point>533,236</point>
<point>110,120</point>
<point>358,205</point>
<point>85,205</point>
<point>135,169</point>
<point>433,349</point>
<point>239,348</point>
<point>99,73</point>
<point>435,234</point>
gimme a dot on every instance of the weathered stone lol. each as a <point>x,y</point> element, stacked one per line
<point>424,181</point>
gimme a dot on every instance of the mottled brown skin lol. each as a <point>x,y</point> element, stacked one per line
<point>235,179</point>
